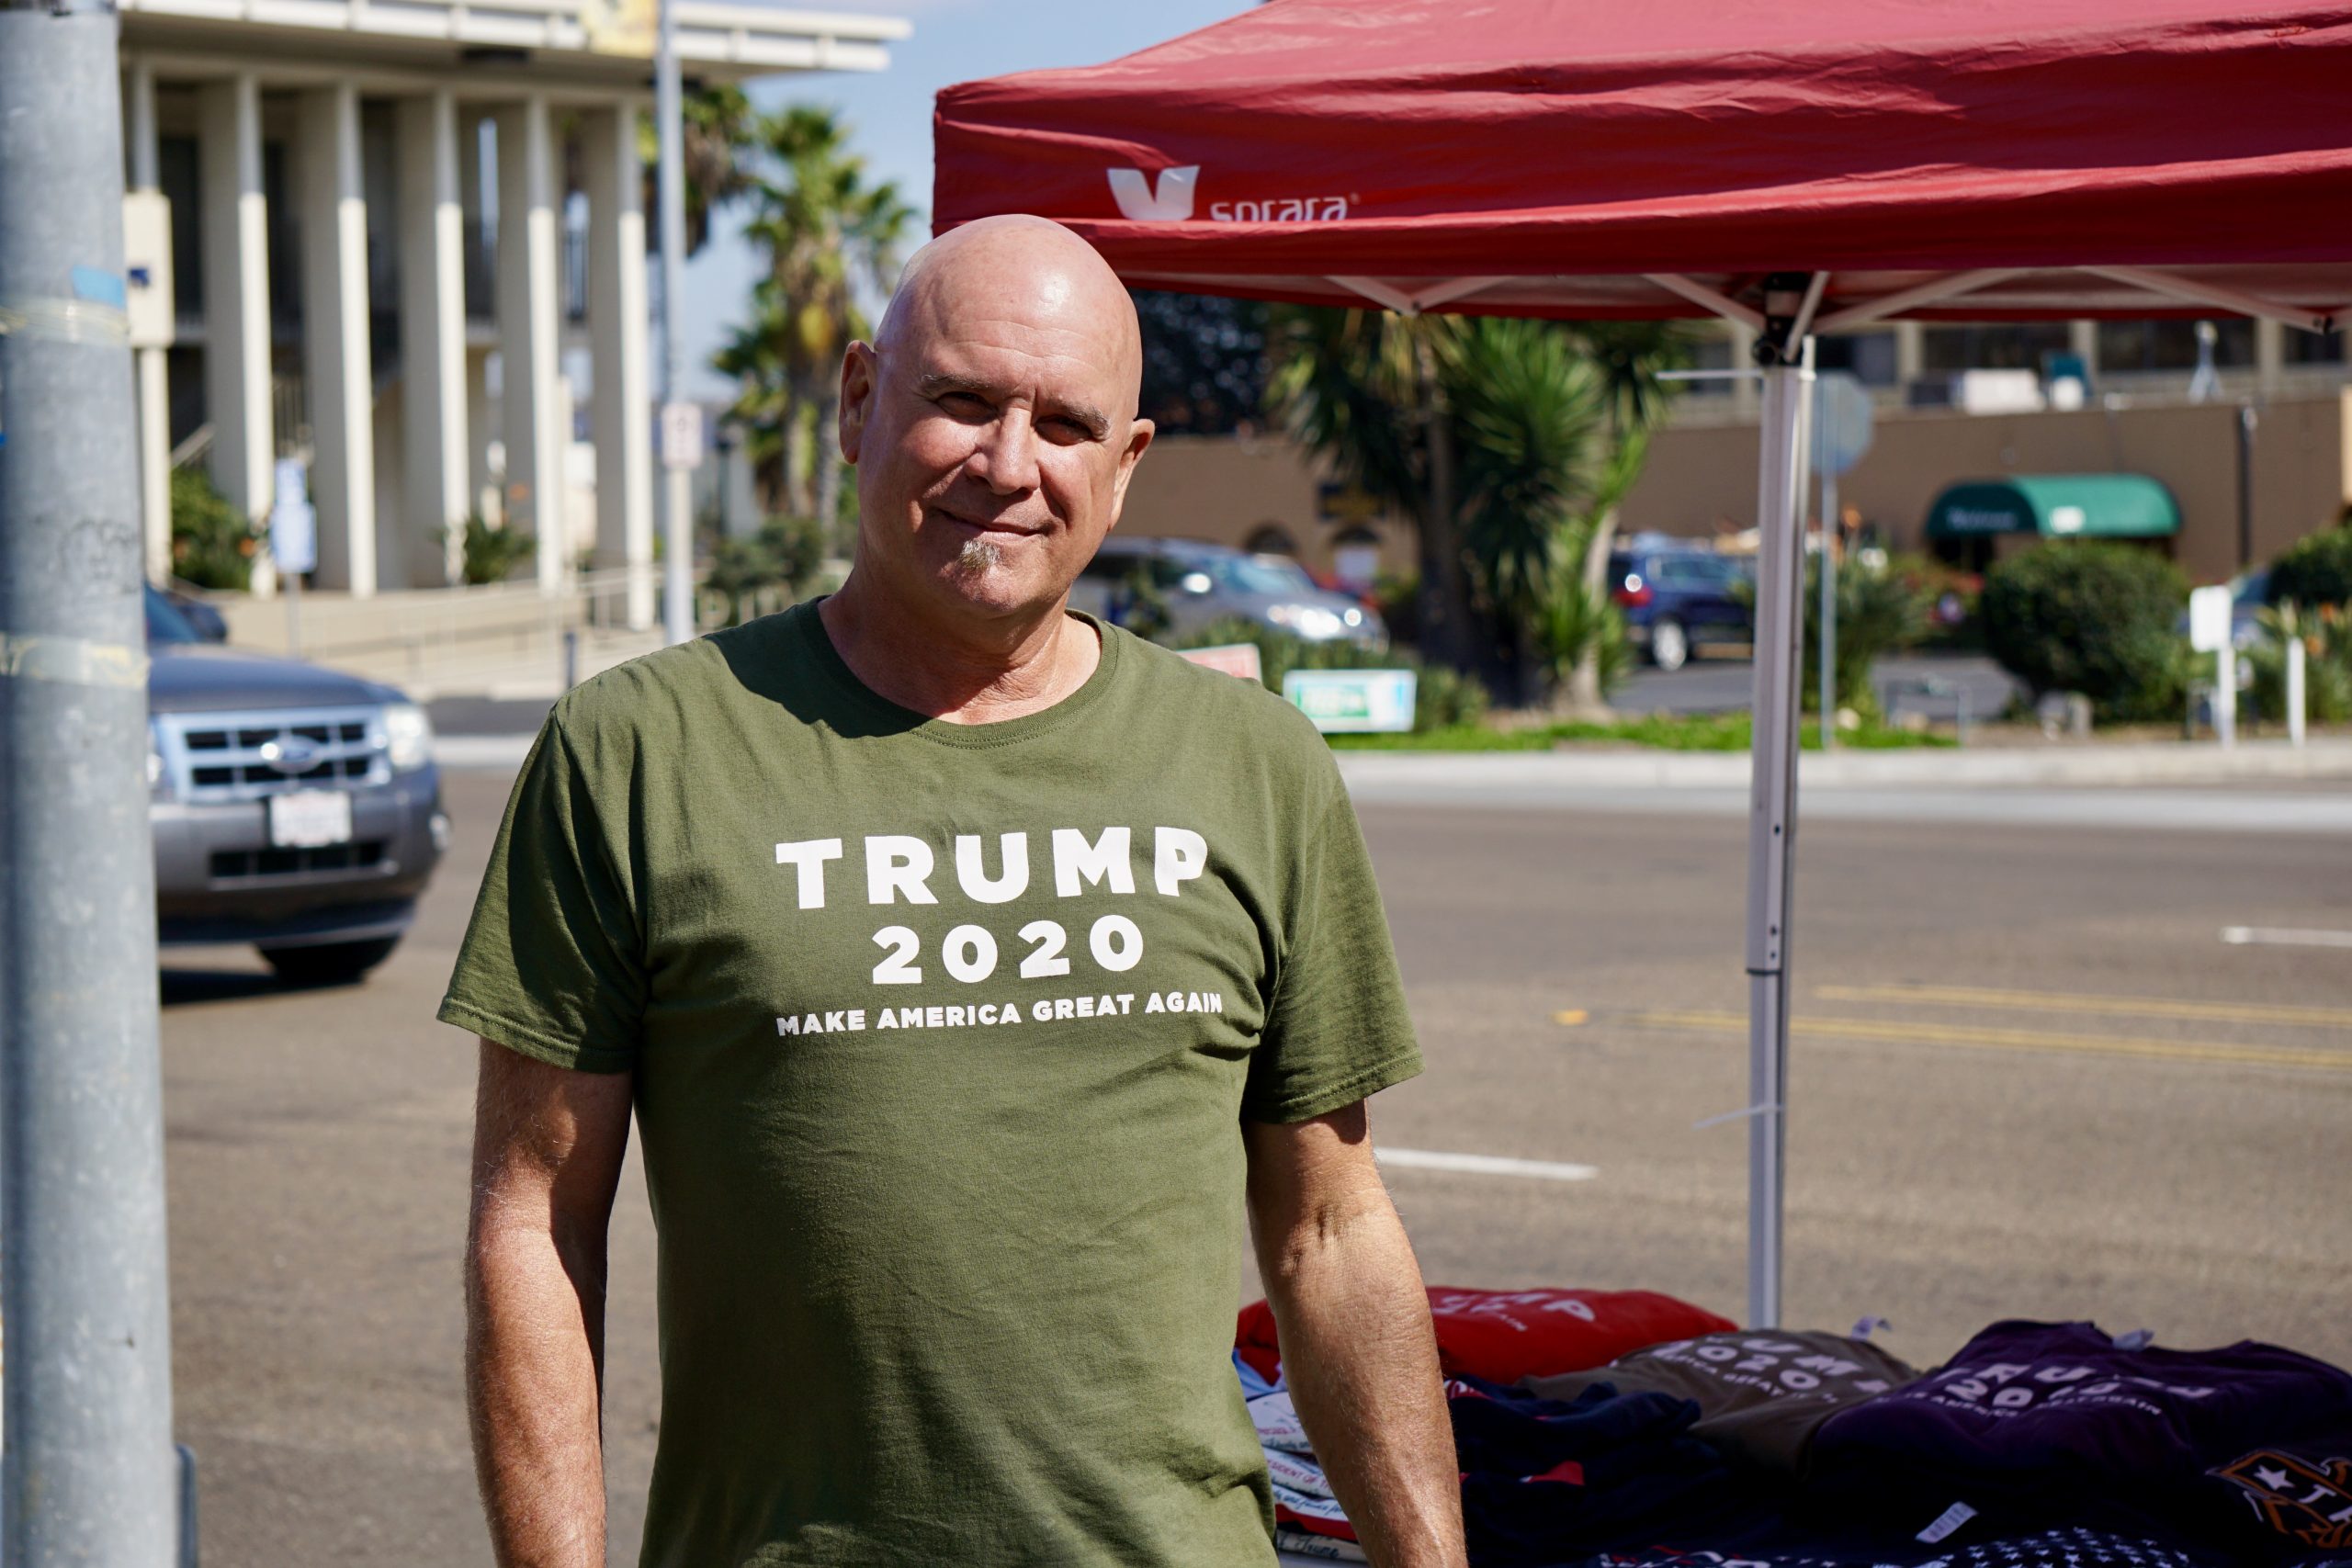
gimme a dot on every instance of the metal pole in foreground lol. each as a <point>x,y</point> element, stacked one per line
<point>1830,534</point>
<point>677,467</point>
<point>1787,357</point>
<point>90,1473</point>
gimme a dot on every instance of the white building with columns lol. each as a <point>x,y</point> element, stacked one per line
<point>394,234</point>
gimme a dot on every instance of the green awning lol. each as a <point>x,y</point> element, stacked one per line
<point>2112,506</point>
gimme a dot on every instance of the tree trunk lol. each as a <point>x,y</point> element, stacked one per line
<point>1584,697</point>
<point>796,461</point>
<point>827,447</point>
<point>1444,592</point>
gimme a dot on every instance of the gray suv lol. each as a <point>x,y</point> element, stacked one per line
<point>1201,583</point>
<point>294,807</point>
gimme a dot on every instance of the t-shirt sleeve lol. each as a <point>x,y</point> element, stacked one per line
<point>553,964</point>
<point>1336,1030</point>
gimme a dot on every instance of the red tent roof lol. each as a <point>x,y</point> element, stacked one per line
<point>1543,155</point>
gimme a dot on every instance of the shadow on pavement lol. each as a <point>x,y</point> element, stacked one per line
<point>186,988</point>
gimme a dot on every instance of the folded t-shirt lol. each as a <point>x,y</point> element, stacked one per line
<point>2056,1423</point>
<point>1503,1336</point>
<point>1762,1396</point>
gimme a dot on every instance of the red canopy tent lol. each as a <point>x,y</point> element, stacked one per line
<point>1791,168</point>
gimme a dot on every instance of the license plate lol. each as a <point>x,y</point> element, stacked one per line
<point>309,818</point>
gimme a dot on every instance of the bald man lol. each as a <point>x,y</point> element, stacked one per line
<point>974,972</point>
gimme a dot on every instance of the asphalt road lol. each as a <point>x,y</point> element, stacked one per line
<point>2030,1079</point>
<point>1933,685</point>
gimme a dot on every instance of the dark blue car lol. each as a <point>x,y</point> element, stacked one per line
<point>1674,597</point>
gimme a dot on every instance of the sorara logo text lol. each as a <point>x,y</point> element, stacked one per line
<point>1171,201</point>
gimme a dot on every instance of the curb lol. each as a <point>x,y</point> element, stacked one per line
<point>2159,763</point>
<point>1470,773</point>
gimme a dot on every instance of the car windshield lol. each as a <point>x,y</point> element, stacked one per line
<point>164,622</point>
<point>1258,574</point>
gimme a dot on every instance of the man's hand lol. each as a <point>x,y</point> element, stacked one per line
<point>1358,1351</point>
<point>547,1148</point>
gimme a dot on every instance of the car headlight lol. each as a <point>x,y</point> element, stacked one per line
<point>408,737</point>
<point>1310,621</point>
<point>157,785</point>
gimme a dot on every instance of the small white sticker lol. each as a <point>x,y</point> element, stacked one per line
<point>1951,1520</point>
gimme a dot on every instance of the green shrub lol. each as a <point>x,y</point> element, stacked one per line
<point>2314,570</point>
<point>492,555</point>
<point>2326,638</point>
<point>212,542</point>
<point>1443,697</point>
<point>1572,620</point>
<point>785,553</point>
<point>1880,610</point>
<point>2094,617</point>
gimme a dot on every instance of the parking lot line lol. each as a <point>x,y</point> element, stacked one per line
<point>1483,1165</point>
<point>2026,1039</point>
<point>2274,936</point>
<point>2063,1002</point>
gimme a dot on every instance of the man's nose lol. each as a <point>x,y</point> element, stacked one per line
<point>1006,456</point>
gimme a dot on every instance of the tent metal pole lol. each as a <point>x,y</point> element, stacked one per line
<point>1772,796</point>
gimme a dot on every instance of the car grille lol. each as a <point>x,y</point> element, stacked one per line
<point>250,756</point>
<point>234,865</point>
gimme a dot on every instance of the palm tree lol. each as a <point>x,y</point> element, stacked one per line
<point>1367,391</point>
<point>829,236</point>
<point>1629,357</point>
<point>717,121</point>
<point>1535,458</point>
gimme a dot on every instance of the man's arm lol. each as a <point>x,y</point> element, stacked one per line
<point>1358,1351</point>
<point>547,1148</point>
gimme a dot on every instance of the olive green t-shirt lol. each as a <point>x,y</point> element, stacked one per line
<point>944,1037</point>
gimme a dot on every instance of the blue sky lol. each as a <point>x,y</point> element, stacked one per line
<point>954,40</point>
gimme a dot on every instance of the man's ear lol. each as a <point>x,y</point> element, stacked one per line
<point>1140,435</point>
<point>861,379</point>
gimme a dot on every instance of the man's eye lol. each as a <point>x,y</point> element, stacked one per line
<point>964,403</point>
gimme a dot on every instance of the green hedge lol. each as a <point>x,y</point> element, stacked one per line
<point>2315,571</point>
<point>1444,698</point>
<point>2088,616</point>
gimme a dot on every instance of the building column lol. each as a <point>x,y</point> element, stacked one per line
<point>1910,355</point>
<point>2269,356</point>
<point>1743,388</point>
<point>620,330</point>
<point>154,382</point>
<point>2082,342</point>
<point>235,230</point>
<point>530,312</point>
<point>335,357</point>
<point>433,335</point>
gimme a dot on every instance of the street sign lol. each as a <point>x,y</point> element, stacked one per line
<point>2209,618</point>
<point>682,435</point>
<point>294,537</point>
<point>1354,702</point>
<point>293,526</point>
<point>1233,657</point>
<point>1842,420</point>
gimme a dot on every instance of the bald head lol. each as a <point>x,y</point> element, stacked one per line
<point>1027,271</point>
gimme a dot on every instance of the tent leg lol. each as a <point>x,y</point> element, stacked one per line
<point>1779,623</point>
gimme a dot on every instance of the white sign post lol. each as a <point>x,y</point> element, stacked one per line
<point>1842,417</point>
<point>293,542</point>
<point>2295,691</point>
<point>2210,610</point>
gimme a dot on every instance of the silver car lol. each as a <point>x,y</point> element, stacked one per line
<point>1201,583</point>
<point>294,807</point>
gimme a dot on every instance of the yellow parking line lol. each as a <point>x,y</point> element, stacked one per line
<point>2061,1001</point>
<point>1971,1039</point>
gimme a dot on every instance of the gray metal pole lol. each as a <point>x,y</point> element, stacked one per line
<point>1830,533</point>
<point>677,477</point>
<point>91,1478</point>
<point>1772,820</point>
